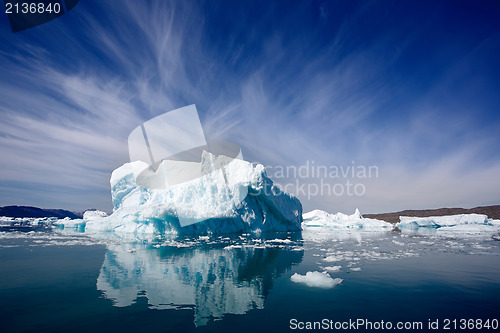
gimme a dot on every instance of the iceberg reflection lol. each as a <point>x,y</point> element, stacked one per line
<point>211,280</point>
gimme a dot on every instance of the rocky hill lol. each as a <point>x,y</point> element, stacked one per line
<point>493,212</point>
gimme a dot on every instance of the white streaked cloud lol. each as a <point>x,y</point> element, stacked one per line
<point>284,102</point>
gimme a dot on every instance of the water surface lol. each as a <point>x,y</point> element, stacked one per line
<point>69,281</point>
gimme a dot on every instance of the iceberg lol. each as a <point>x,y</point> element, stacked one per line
<point>239,197</point>
<point>441,221</point>
<point>461,225</point>
<point>322,219</point>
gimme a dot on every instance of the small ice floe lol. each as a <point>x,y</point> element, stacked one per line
<point>178,244</point>
<point>333,258</point>
<point>277,240</point>
<point>333,268</point>
<point>316,279</point>
<point>481,247</point>
<point>51,238</point>
<point>230,247</point>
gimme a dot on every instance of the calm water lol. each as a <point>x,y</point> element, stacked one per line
<point>71,282</point>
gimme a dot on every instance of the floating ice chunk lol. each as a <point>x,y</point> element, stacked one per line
<point>333,268</point>
<point>481,247</point>
<point>276,240</point>
<point>69,223</point>
<point>230,247</point>
<point>316,279</point>
<point>333,258</point>
<point>495,223</point>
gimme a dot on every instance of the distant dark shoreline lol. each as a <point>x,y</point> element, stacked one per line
<point>493,212</point>
<point>28,211</point>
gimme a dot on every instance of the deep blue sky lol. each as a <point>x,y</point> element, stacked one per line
<point>411,87</point>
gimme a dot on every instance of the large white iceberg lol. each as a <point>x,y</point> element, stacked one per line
<point>244,199</point>
<point>318,218</point>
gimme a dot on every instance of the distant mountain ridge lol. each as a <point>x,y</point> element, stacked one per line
<point>28,211</point>
<point>493,212</point>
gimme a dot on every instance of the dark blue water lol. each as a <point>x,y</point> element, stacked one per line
<point>54,282</point>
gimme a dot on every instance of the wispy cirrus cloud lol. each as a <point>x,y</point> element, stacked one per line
<point>327,82</point>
